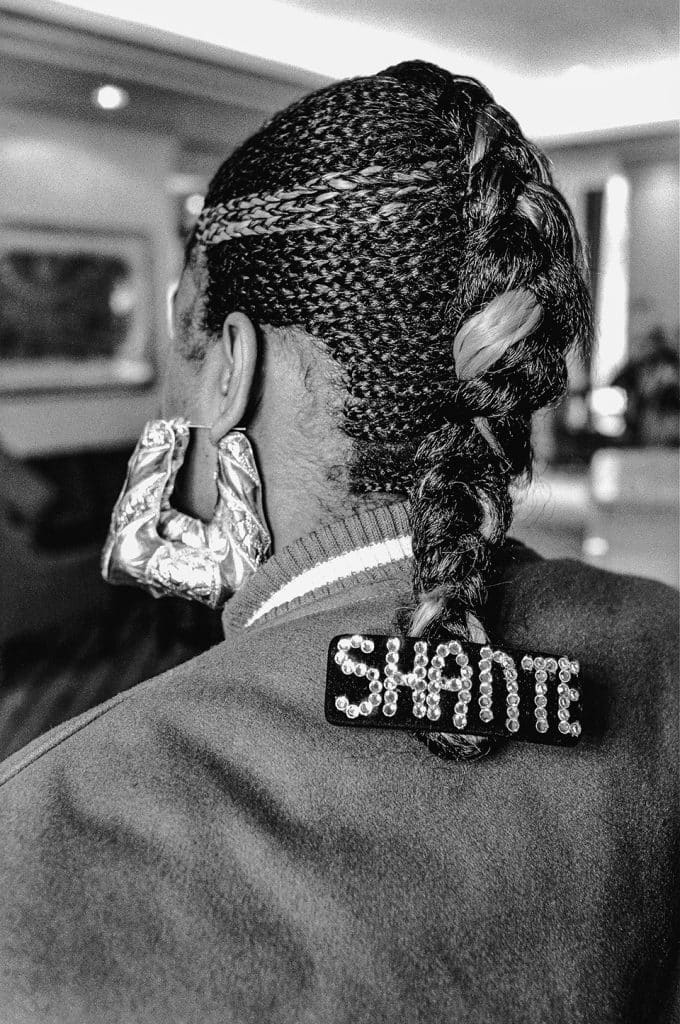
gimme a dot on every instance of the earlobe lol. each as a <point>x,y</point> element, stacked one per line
<point>239,351</point>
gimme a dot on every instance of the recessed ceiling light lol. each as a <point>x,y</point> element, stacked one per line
<point>595,547</point>
<point>193,204</point>
<point>110,97</point>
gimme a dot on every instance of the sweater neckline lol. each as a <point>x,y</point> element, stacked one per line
<point>363,548</point>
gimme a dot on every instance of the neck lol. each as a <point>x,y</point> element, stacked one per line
<point>298,495</point>
<point>371,546</point>
<point>299,498</point>
<point>300,451</point>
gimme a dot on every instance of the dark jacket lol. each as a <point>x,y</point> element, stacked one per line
<point>206,848</point>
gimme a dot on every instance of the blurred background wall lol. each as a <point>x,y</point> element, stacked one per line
<point>112,120</point>
<point>82,179</point>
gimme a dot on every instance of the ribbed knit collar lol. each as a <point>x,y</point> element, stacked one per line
<point>363,548</point>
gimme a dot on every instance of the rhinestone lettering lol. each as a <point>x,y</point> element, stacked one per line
<point>440,668</point>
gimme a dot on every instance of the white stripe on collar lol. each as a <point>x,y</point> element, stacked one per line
<point>347,564</point>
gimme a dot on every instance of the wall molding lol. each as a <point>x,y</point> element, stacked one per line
<point>59,37</point>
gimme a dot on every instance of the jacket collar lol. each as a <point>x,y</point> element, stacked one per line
<point>364,548</point>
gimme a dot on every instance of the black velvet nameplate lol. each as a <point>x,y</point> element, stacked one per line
<point>454,686</point>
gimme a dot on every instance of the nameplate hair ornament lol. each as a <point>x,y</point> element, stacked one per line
<point>454,686</point>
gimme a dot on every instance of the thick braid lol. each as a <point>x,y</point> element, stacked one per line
<point>405,222</point>
<point>522,302</point>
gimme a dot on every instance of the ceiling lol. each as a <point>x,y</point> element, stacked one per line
<point>342,37</point>
<point>530,37</point>
<point>209,73</point>
<point>49,66</point>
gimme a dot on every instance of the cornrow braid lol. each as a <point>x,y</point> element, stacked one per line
<point>316,205</point>
<point>404,221</point>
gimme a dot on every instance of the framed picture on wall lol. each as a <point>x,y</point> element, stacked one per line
<point>75,309</point>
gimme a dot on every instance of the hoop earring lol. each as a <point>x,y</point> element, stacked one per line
<point>172,554</point>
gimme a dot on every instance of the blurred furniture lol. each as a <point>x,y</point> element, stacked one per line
<point>84,663</point>
<point>550,514</point>
<point>633,525</point>
<point>41,585</point>
<point>68,641</point>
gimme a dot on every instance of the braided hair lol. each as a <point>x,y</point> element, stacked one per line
<point>404,221</point>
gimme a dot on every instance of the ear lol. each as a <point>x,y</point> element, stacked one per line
<point>237,364</point>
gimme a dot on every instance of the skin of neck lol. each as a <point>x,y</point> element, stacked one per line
<point>277,386</point>
<point>296,440</point>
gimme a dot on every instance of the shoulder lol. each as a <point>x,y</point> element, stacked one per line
<point>122,724</point>
<point>623,630</point>
<point>576,600</point>
<point>136,726</point>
